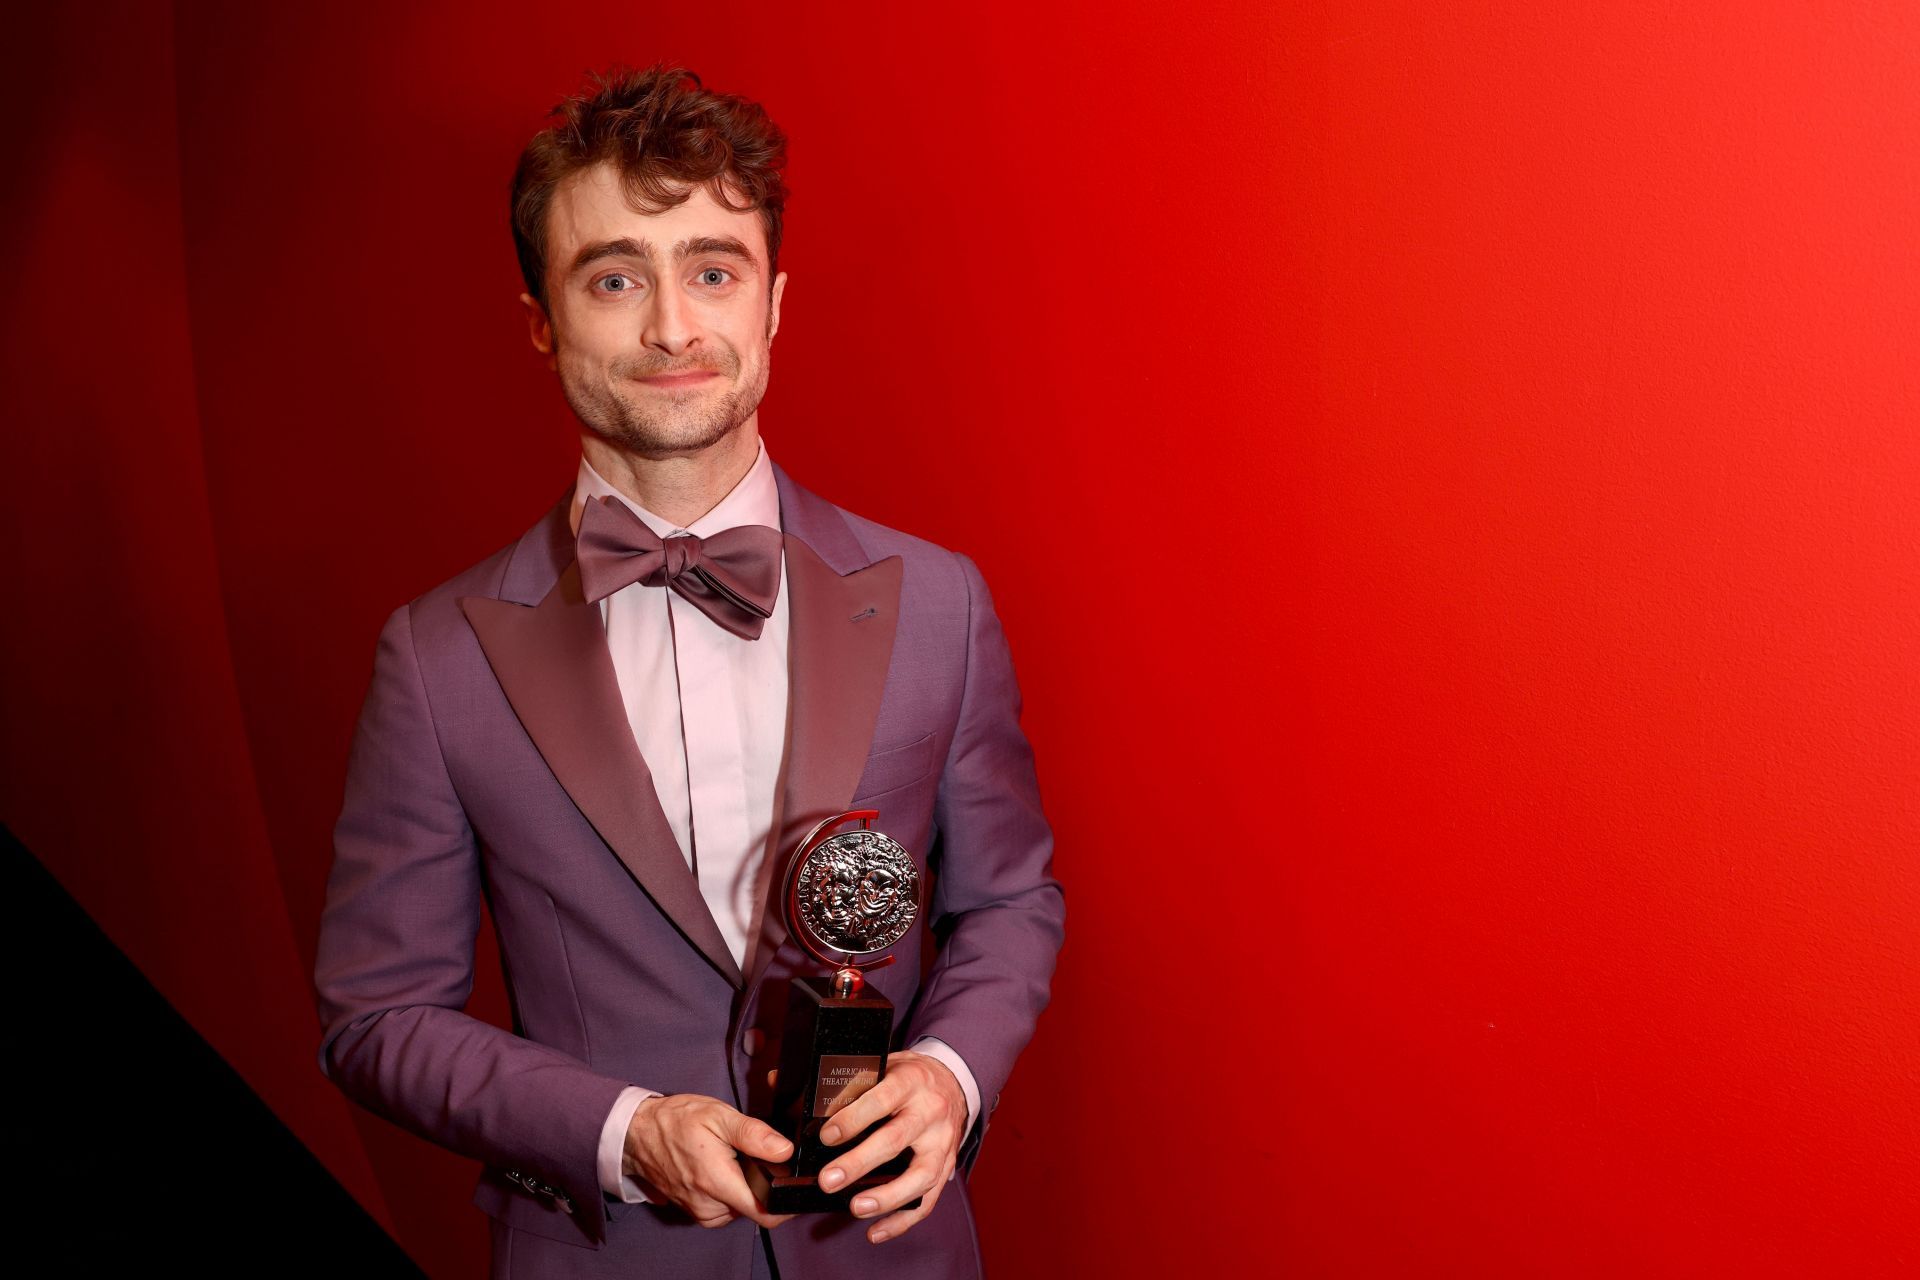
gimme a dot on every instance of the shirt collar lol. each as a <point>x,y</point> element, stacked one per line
<point>754,500</point>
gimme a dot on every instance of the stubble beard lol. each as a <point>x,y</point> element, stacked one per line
<point>653,425</point>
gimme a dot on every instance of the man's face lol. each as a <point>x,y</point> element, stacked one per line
<point>659,325</point>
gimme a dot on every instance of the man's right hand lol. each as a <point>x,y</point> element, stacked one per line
<point>683,1145</point>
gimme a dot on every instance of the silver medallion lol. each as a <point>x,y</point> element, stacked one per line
<point>853,893</point>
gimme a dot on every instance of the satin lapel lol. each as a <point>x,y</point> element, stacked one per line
<point>553,664</point>
<point>840,633</point>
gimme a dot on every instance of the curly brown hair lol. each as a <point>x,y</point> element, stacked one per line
<point>668,135</point>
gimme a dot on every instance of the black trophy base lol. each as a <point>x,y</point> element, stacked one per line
<point>834,1049</point>
<point>783,1190</point>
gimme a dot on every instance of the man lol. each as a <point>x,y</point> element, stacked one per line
<point>614,730</point>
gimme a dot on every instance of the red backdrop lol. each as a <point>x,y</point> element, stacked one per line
<point>1447,478</point>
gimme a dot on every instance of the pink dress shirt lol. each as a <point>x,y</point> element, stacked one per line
<point>716,766</point>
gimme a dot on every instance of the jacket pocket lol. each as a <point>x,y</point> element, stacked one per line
<point>896,767</point>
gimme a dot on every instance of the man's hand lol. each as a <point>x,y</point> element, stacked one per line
<point>929,1111</point>
<point>683,1145</point>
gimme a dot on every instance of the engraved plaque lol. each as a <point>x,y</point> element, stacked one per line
<point>843,1077</point>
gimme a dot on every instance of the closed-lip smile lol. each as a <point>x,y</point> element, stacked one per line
<point>680,379</point>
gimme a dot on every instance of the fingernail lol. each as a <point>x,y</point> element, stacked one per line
<point>833,1178</point>
<point>878,1236</point>
<point>830,1135</point>
<point>865,1204</point>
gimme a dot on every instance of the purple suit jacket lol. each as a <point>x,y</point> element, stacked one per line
<point>493,759</point>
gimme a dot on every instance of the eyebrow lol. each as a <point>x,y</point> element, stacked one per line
<point>628,247</point>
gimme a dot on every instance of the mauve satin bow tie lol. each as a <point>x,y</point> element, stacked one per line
<point>733,577</point>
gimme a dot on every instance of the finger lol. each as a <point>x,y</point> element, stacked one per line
<point>730,1188</point>
<point>896,1224</point>
<point>771,1076</point>
<point>754,1137</point>
<point>706,1210</point>
<point>923,1177</point>
<point>888,1141</point>
<point>899,1224</point>
<point>876,1103</point>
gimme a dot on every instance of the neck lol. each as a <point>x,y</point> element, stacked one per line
<point>681,487</point>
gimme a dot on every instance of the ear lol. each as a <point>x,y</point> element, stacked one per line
<point>773,311</point>
<point>539,327</point>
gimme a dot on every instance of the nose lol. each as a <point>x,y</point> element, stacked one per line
<point>669,324</point>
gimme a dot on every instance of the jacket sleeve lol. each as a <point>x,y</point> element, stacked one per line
<point>395,966</point>
<point>995,898</point>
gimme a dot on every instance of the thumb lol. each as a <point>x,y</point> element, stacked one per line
<point>758,1138</point>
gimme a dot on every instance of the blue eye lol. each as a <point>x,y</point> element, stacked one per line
<point>610,279</point>
<point>715,271</point>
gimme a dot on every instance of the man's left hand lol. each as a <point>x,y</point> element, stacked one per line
<point>929,1114</point>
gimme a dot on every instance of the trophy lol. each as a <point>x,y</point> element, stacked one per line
<point>848,895</point>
